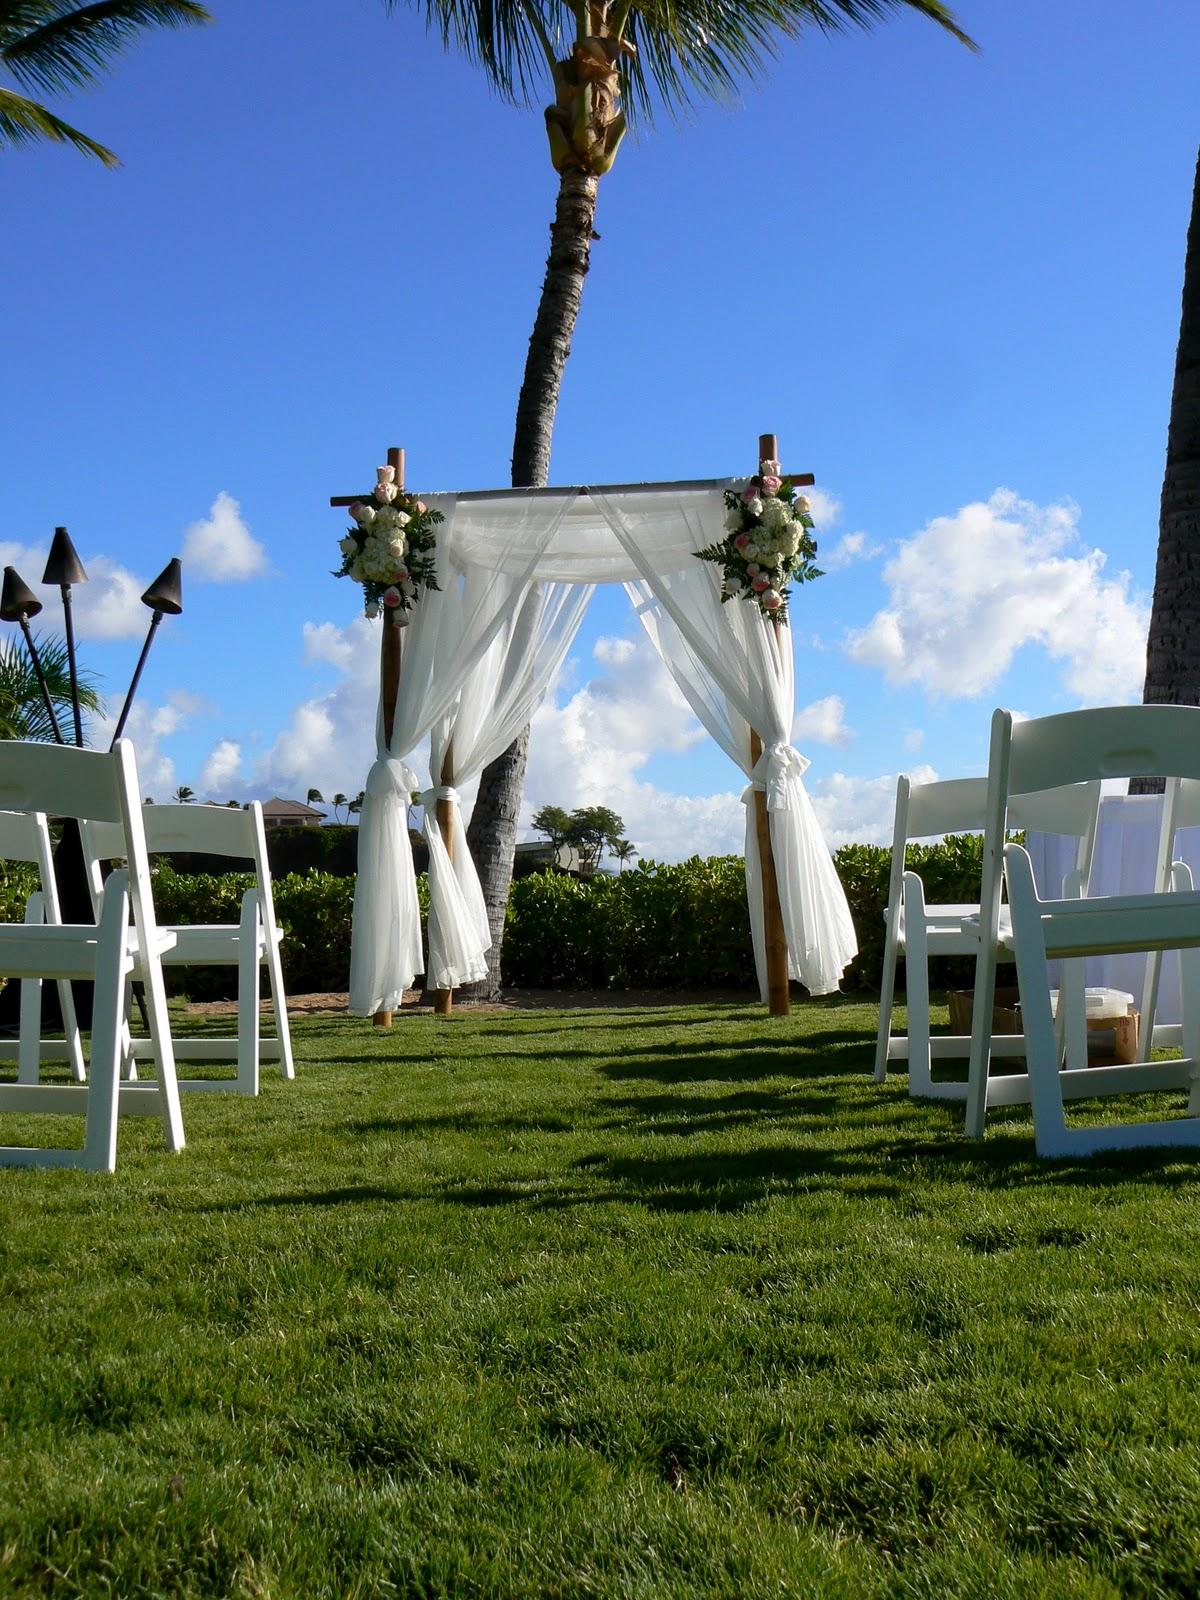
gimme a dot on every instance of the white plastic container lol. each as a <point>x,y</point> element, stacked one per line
<point>1101,1004</point>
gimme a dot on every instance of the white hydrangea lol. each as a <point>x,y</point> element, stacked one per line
<point>754,507</point>
<point>733,522</point>
<point>791,538</point>
<point>774,513</point>
<point>348,545</point>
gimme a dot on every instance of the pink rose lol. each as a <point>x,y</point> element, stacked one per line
<point>760,585</point>
<point>742,540</point>
<point>772,600</point>
<point>400,575</point>
<point>385,474</point>
<point>420,507</point>
<point>772,484</point>
<point>391,597</point>
<point>749,493</point>
<point>355,510</point>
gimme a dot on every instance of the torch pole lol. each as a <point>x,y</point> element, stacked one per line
<point>68,619</point>
<point>137,673</point>
<point>41,677</point>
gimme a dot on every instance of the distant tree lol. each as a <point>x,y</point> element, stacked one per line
<point>23,713</point>
<point>233,805</point>
<point>149,800</point>
<point>315,797</point>
<point>356,804</point>
<point>555,823</point>
<point>339,800</point>
<point>59,45</point>
<point>184,795</point>
<point>590,829</point>
<point>624,850</point>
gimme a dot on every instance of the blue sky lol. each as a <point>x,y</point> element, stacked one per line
<point>946,281</point>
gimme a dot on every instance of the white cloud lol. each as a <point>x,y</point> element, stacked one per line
<point>968,591</point>
<point>147,727</point>
<point>914,738</point>
<point>590,749</point>
<point>329,741</point>
<point>850,548</point>
<point>220,771</point>
<point>221,548</point>
<point>824,508</point>
<point>856,810</point>
<point>107,606</point>
<point>822,722</point>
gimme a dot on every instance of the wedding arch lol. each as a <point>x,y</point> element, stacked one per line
<point>488,592</point>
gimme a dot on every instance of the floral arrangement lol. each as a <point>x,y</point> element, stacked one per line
<point>390,548</point>
<point>768,544</point>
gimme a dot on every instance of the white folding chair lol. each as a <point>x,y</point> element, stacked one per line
<point>25,836</point>
<point>959,805</point>
<point>251,943</point>
<point>91,785</point>
<point>1079,746</point>
<point>1181,809</point>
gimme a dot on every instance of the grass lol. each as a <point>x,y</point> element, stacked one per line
<point>639,1303</point>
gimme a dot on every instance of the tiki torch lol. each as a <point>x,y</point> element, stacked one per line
<point>165,598</point>
<point>17,604</point>
<point>65,568</point>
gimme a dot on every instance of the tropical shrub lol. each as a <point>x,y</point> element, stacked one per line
<point>655,926</point>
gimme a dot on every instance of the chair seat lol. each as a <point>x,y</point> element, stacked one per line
<point>959,926</point>
<point>210,944</point>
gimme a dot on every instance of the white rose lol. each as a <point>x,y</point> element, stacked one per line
<point>364,516</point>
<point>385,493</point>
<point>397,547</point>
<point>734,522</point>
<point>372,610</point>
<point>754,507</point>
<point>348,546</point>
<point>800,504</point>
<point>403,519</point>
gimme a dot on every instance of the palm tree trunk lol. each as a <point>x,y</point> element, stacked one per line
<point>492,834</point>
<point>1173,645</point>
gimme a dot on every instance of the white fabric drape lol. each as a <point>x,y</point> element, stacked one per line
<point>450,633</point>
<point>736,671</point>
<point>479,655</point>
<point>497,699</point>
<point>1123,863</point>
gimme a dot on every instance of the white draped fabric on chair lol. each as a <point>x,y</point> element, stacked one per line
<point>516,570</point>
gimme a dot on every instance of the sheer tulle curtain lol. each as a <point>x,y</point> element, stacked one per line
<point>451,632</point>
<point>496,701</point>
<point>735,670</point>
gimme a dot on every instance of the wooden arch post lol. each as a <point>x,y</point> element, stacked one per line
<point>779,1002</point>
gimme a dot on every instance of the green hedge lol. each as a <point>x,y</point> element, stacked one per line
<point>655,927</point>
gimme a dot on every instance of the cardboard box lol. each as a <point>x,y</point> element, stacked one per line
<point>1112,1041</point>
<point>1006,1011</point>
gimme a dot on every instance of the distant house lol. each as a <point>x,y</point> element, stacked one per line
<point>539,855</point>
<point>279,813</point>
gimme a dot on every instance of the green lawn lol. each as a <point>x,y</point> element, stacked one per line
<point>639,1303</point>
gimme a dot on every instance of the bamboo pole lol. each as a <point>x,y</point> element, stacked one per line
<point>443,999</point>
<point>779,1002</point>
<point>390,659</point>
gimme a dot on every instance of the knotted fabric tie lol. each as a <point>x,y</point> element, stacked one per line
<point>391,776</point>
<point>774,770</point>
<point>440,791</point>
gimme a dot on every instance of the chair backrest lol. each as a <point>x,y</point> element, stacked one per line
<point>199,830</point>
<point>25,836</point>
<point>93,786</point>
<point>1080,748</point>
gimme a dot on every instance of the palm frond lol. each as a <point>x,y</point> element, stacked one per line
<point>687,50</point>
<point>23,121</point>
<point>690,50</point>
<point>512,40</point>
<point>56,44</point>
<point>23,712</point>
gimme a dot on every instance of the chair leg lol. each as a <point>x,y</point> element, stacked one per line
<point>283,1031</point>
<point>916,990</point>
<point>164,1053</point>
<point>66,1004</point>
<point>248,1027</point>
<point>108,1012</point>
<point>887,993</point>
<point>29,1041</point>
<point>979,1061</point>
<point>1041,1046</point>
